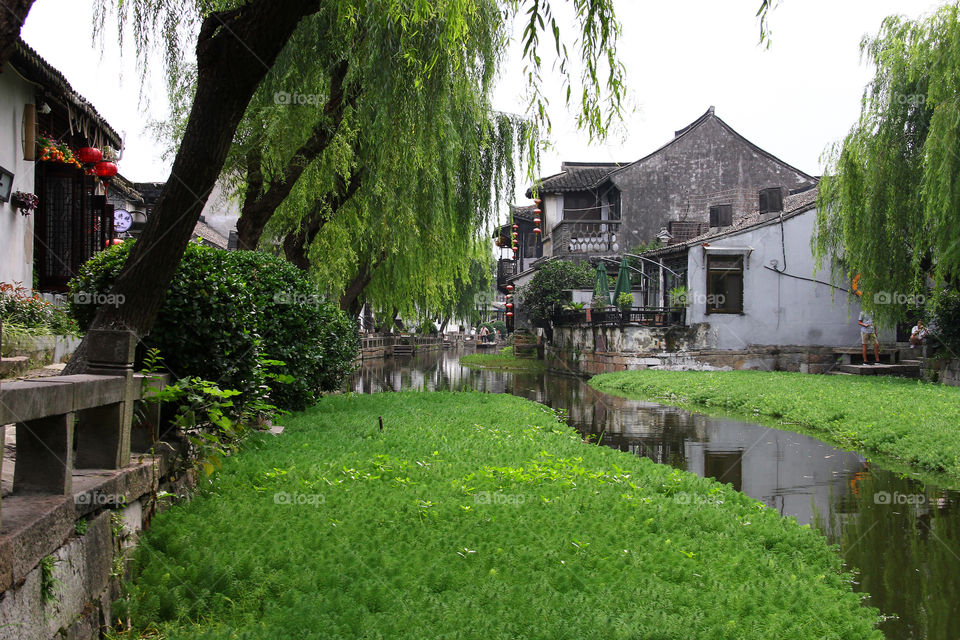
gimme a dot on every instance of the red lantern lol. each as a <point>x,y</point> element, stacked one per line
<point>509,314</point>
<point>105,170</point>
<point>537,221</point>
<point>509,305</point>
<point>110,243</point>
<point>89,155</point>
<point>509,287</point>
<point>537,211</point>
<point>536,230</point>
<point>515,227</point>
<point>538,200</point>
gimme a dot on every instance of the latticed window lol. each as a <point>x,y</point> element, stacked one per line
<point>72,224</point>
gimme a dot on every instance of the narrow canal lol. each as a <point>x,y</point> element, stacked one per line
<point>902,536</point>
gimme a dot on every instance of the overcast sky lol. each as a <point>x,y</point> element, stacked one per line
<point>681,57</point>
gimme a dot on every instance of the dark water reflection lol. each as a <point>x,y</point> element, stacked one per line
<point>902,535</point>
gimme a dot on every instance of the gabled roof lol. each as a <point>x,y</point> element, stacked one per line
<point>709,115</point>
<point>576,176</point>
<point>35,69</point>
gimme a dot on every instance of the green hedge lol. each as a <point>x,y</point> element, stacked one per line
<point>225,310</point>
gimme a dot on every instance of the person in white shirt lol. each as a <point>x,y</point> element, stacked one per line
<point>868,334</point>
<point>918,334</point>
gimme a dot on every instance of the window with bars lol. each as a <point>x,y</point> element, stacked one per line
<point>72,224</point>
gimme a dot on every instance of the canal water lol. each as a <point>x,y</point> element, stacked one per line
<point>901,536</point>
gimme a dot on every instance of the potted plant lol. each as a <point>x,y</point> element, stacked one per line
<point>25,202</point>
<point>678,297</point>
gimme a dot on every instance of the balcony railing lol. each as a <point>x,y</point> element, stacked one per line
<point>635,316</point>
<point>586,237</point>
<point>505,269</point>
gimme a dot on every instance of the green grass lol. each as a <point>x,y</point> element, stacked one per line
<point>911,422</point>
<point>502,360</point>
<point>476,516</point>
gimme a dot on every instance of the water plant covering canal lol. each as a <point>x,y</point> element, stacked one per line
<point>901,534</point>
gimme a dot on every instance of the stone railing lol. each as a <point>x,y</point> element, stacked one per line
<point>90,458</point>
<point>576,237</point>
<point>635,316</point>
<point>64,423</point>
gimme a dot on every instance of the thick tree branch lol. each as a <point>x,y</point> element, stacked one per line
<point>260,203</point>
<point>296,244</point>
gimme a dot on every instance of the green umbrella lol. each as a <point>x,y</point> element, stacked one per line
<point>623,281</point>
<point>601,288</point>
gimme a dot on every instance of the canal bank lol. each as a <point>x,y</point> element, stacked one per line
<point>901,534</point>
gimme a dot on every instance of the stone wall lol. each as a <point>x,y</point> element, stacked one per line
<point>588,350</point>
<point>944,370</point>
<point>85,538</point>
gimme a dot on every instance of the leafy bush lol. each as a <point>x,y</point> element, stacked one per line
<point>21,310</point>
<point>547,289</point>
<point>625,300</point>
<point>226,310</point>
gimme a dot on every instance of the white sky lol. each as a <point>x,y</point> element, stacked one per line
<point>681,57</point>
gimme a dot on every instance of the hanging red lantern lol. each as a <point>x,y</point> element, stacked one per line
<point>89,155</point>
<point>515,227</point>
<point>105,170</point>
<point>536,230</point>
<point>537,211</point>
<point>537,221</point>
<point>509,314</point>
<point>509,287</point>
<point>509,305</point>
<point>538,200</point>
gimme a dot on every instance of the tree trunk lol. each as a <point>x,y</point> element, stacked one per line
<point>12,15</point>
<point>260,203</point>
<point>296,244</point>
<point>235,50</point>
<point>352,301</point>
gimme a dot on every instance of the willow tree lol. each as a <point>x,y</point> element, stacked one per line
<point>889,204</point>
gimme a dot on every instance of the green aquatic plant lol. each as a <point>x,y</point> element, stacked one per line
<point>477,515</point>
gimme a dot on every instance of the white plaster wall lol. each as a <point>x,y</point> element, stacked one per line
<point>220,211</point>
<point>16,231</point>
<point>779,310</point>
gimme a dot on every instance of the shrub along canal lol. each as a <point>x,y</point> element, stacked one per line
<point>902,535</point>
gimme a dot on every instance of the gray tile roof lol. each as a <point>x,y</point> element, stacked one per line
<point>576,177</point>
<point>792,205</point>
<point>209,235</point>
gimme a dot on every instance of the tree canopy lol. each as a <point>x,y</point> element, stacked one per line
<point>889,204</point>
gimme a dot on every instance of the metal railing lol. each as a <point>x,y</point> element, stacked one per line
<point>635,316</point>
<point>586,237</point>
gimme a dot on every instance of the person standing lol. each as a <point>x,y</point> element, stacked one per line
<point>484,332</point>
<point>868,334</point>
